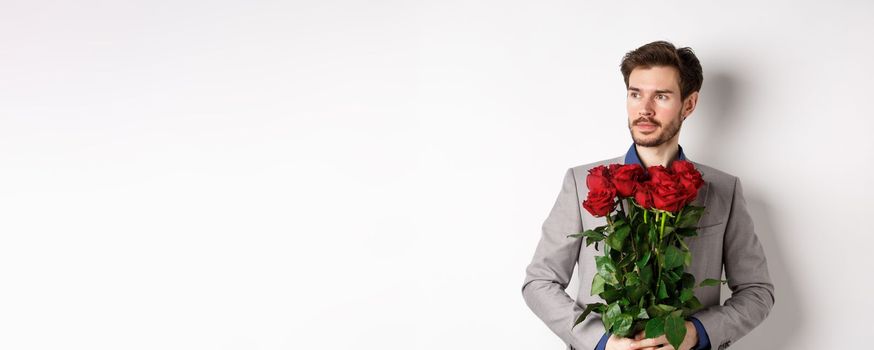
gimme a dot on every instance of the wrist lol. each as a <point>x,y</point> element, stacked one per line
<point>692,333</point>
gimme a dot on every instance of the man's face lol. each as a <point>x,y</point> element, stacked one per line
<point>654,105</point>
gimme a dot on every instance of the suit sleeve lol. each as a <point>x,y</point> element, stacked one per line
<point>551,269</point>
<point>746,268</point>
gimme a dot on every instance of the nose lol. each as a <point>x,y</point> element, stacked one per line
<point>646,110</point>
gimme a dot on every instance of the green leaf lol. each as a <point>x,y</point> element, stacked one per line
<point>586,312</point>
<point>711,282</point>
<point>627,260</point>
<point>655,327</point>
<point>631,279</point>
<point>643,259</point>
<point>636,293</point>
<point>642,314</point>
<point>622,324</point>
<point>663,291</point>
<point>606,269</point>
<point>693,304</point>
<point>690,216</point>
<point>675,329</point>
<point>642,229</point>
<point>668,230</point>
<point>673,275</point>
<point>688,280</point>
<point>594,234</point>
<point>613,311</point>
<point>659,310</point>
<point>590,240</point>
<point>617,239</point>
<point>597,285</point>
<point>631,310</point>
<point>687,232</point>
<point>611,294</point>
<point>653,234</point>
<point>685,294</point>
<point>673,257</point>
<point>646,274</point>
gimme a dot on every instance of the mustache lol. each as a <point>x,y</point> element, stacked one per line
<point>645,120</point>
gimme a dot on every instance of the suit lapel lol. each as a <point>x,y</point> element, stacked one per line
<point>701,199</point>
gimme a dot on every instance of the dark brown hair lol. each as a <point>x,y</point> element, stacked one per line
<point>663,53</point>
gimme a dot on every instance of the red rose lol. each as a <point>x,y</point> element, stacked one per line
<point>600,202</point>
<point>689,177</point>
<point>669,197</point>
<point>667,194</point>
<point>643,194</point>
<point>599,179</point>
<point>682,166</point>
<point>659,174</point>
<point>625,178</point>
<point>613,168</point>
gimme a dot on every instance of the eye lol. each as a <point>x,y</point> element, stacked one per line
<point>633,94</point>
<point>662,97</point>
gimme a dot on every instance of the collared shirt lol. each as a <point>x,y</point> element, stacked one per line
<point>631,157</point>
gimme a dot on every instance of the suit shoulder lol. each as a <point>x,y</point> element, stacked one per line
<point>709,170</point>
<point>712,174</point>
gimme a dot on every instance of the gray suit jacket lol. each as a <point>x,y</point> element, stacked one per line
<point>727,238</point>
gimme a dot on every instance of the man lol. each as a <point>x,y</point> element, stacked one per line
<point>662,90</point>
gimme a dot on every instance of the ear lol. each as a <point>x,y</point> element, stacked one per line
<point>689,104</point>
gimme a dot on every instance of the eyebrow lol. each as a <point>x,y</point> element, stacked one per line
<point>631,88</point>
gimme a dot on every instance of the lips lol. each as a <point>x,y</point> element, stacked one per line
<point>646,126</point>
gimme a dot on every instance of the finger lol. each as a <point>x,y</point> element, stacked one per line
<point>650,342</point>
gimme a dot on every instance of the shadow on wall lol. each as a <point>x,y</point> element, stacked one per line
<point>724,127</point>
<point>720,111</point>
<point>788,316</point>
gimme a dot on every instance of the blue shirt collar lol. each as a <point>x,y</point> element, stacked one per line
<point>631,156</point>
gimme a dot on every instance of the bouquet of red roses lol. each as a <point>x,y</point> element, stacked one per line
<point>641,275</point>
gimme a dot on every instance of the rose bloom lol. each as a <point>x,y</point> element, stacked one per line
<point>667,194</point>
<point>689,177</point>
<point>599,178</point>
<point>625,178</point>
<point>600,202</point>
<point>643,194</point>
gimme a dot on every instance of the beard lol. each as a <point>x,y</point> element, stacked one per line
<point>660,135</point>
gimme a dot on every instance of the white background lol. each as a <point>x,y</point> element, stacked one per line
<point>373,175</point>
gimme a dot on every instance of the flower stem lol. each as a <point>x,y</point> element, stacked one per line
<point>662,230</point>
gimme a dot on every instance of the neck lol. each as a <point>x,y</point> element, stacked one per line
<point>662,155</point>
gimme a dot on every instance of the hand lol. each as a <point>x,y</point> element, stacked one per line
<point>618,343</point>
<point>661,343</point>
